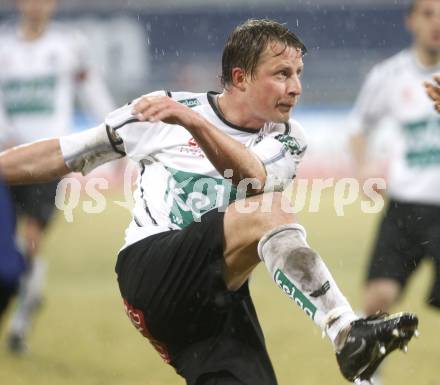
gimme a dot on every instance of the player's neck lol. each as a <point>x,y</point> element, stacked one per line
<point>32,31</point>
<point>428,58</point>
<point>237,112</point>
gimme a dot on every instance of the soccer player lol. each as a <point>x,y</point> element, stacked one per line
<point>195,236</point>
<point>43,67</point>
<point>410,229</point>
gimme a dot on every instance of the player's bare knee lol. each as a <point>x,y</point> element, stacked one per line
<point>258,214</point>
<point>274,211</point>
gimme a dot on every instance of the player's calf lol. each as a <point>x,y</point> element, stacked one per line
<point>361,344</point>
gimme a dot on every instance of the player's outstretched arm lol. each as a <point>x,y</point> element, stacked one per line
<point>40,161</point>
<point>433,91</point>
<point>49,159</point>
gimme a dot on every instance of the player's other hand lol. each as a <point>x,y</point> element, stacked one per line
<point>369,172</point>
<point>433,91</point>
<point>165,109</point>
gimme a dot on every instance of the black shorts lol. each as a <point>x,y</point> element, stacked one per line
<point>36,200</point>
<point>174,293</point>
<point>408,233</point>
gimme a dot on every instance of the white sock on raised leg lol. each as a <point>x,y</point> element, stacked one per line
<point>300,272</point>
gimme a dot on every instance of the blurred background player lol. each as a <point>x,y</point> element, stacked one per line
<point>12,263</point>
<point>410,229</point>
<point>44,66</point>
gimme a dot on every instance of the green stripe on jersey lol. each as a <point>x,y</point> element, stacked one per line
<point>190,195</point>
<point>30,96</point>
<point>426,157</point>
<point>423,142</point>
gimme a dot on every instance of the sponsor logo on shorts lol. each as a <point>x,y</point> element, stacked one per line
<point>137,319</point>
<point>293,292</point>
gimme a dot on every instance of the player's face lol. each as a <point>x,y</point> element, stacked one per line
<point>37,11</point>
<point>424,24</point>
<point>275,87</point>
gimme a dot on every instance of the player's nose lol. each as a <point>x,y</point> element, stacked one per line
<point>294,86</point>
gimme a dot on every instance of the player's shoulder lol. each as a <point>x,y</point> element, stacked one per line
<point>8,33</point>
<point>297,131</point>
<point>9,42</point>
<point>54,32</point>
<point>66,35</point>
<point>393,65</point>
<point>290,128</point>
<point>189,99</point>
<point>123,115</point>
<point>63,30</point>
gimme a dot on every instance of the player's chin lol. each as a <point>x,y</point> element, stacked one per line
<point>281,117</point>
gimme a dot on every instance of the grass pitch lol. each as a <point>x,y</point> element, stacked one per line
<point>82,336</point>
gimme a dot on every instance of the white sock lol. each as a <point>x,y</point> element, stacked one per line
<point>29,296</point>
<point>300,272</point>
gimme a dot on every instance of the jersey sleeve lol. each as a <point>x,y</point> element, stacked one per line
<point>281,154</point>
<point>371,104</point>
<point>139,138</point>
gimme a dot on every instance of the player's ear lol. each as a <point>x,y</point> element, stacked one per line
<point>239,78</point>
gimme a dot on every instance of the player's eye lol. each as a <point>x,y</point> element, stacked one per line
<point>283,74</point>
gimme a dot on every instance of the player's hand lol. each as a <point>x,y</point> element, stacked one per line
<point>433,91</point>
<point>165,109</point>
<point>366,174</point>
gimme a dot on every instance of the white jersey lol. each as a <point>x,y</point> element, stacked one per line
<point>177,182</point>
<point>394,89</point>
<point>38,84</point>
